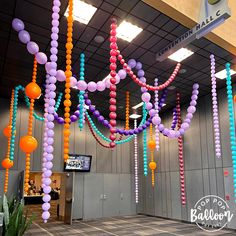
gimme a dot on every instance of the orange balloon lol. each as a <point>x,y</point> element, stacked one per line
<point>32,90</point>
<point>151,144</point>
<point>152,165</point>
<point>7,131</point>
<point>234,98</point>
<point>7,163</point>
<point>28,144</point>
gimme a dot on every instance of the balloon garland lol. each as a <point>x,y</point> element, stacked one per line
<point>215,109</point>
<point>145,161</point>
<point>112,108</point>
<point>68,73</point>
<point>127,112</point>
<point>156,120</point>
<point>28,143</point>
<point>231,123</point>
<point>136,163</point>
<point>81,93</point>
<point>157,138</point>
<point>180,150</point>
<point>152,163</point>
<point>7,163</point>
<point>49,110</point>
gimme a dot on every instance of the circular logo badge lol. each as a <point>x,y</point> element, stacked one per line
<point>211,213</point>
<point>213,2</point>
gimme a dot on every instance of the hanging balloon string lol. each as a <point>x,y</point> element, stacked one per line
<point>94,135</point>
<point>152,164</point>
<point>127,111</point>
<point>7,163</point>
<point>136,163</point>
<point>145,161</point>
<point>180,149</point>
<point>28,143</point>
<point>68,73</point>
<point>157,137</point>
<point>81,93</point>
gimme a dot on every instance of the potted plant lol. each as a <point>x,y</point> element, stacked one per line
<point>15,220</point>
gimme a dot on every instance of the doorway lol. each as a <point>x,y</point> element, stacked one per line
<point>34,197</point>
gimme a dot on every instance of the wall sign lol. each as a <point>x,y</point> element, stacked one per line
<point>211,21</point>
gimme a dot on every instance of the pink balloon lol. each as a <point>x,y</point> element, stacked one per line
<point>101,86</point>
<point>92,86</point>
<point>73,82</point>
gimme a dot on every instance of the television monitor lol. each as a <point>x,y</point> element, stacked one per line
<point>77,162</point>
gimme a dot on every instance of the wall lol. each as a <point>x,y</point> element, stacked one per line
<point>115,164</point>
<point>203,172</point>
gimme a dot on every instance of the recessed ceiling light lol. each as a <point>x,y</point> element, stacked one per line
<point>222,74</point>
<point>182,71</point>
<point>128,31</point>
<point>134,116</point>
<point>172,87</point>
<point>181,54</point>
<point>82,11</point>
<point>99,39</point>
<point>138,105</point>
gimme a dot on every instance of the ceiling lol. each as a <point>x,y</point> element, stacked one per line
<point>159,30</point>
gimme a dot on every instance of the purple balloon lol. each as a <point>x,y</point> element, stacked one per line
<point>141,73</point>
<point>60,75</point>
<point>92,86</point>
<point>101,86</point>
<point>138,66</point>
<point>143,89</point>
<point>45,216</point>
<point>73,82</point>
<point>46,198</point>
<point>41,58</point>
<point>92,108</point>
<point>82,85</point>
<point>73,118</point>
<point>146,97</point>
<point>101,118</point>
<point>171,134</point>
<point>122,74</point>
<point>46,206</point>
<point>24,36</point>
<point>143,79</point>
<point>132,63</point>
<point>196,86</point>
<point>18,25</point>
<point>47,189</point>
<point>32,47</point>
<point>47,181</point>
<point>185,126</point>
<point>60,120</point>
<point>76,113</point>
<point>156,120</point>
<point>161,127</point>
<point>149,105</point>
<point>191,109</point>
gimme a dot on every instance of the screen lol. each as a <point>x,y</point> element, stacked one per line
<point>78,163</point>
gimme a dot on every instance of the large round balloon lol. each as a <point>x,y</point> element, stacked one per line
<point>7,163</point>
<point>28,143</point>
<point>152,165</point>
<point>32,90</point>
<point>7,131</point>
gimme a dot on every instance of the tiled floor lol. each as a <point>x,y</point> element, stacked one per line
<point>126,226</point>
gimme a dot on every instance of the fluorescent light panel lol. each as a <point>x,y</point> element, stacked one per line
<point>222,74</point>
<point>181,54</point>
<point>128,31</point>
<point>134,116</point>
<point>138,105</point>
<point>82,11</point>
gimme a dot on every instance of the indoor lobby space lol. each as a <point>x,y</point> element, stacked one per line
<point>117,117</point>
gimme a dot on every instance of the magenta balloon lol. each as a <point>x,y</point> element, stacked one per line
<point>41,58</point>
<point>60,75</point>
<point>82,85</point>
<point>24,36</point>
<point>18,24</point>
<point>92,86</point>
<point>101,86</point>
<point>32,47</point>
